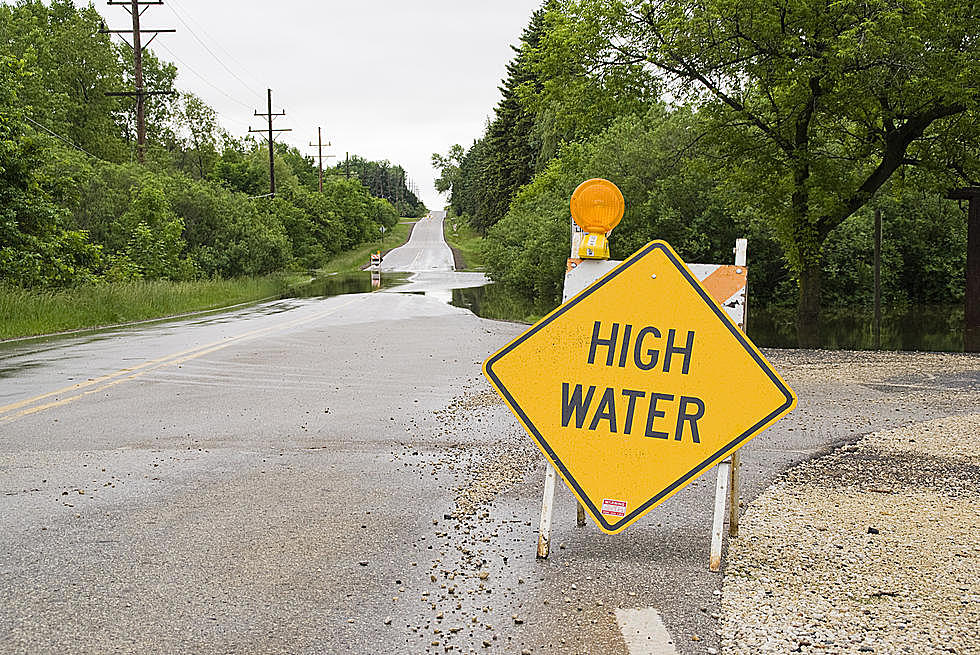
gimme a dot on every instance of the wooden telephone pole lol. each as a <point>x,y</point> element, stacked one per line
<point>272,159</point>
<point>319,144</point>
<point>971,327</point>
<point>140,93</point>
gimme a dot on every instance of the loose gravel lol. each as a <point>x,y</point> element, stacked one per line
<point>871,549</point>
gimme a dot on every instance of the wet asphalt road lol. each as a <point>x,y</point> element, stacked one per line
<point>426,249</point>
<point>334,476</point>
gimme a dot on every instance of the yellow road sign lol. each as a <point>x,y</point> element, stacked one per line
<point>637,385</point>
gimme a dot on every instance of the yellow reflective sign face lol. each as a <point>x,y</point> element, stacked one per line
<point>637,385</point>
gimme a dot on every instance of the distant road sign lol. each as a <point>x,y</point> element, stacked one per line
<point>637,385</point>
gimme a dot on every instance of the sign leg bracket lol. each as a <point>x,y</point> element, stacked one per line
<point>547,506</point>
<point>718,518</point>
<point>726,492</point>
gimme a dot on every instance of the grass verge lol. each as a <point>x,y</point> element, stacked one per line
<point>467,241</point>
<point>354,259</point>
<point>29,313</point>
<point>25,313</point>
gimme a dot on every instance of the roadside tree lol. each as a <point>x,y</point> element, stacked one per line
<point>817,104</point>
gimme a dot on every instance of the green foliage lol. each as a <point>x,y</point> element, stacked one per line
<point>819,104</point>
<point>785,120</point>
<point>155,244</point>
<point>199,148</point>
<point>923,258</point>
<point>384,180</point>
<point>448,167</point>
<point>28,312</point>
<point>37,247</point>
<point>576,97</point>
<point>527,249</point>
<point>198,206</point>
<point>682,199</point>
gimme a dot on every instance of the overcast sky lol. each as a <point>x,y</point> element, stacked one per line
<point>386,79</point>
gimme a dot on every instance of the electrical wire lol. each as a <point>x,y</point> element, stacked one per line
<point>58,136</point>
<point>172,5</point>
<point>204,79</point>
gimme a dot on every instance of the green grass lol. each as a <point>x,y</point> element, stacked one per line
<point>26,313</point>
<point>355,259</point>
<point>29,313</point>
<point>468,241</point>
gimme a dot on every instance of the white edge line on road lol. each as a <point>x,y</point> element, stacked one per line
<point>644,631</point>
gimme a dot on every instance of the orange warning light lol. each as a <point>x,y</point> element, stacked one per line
<point>597,206</point>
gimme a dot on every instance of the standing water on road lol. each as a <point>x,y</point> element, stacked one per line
<point>937,328</point>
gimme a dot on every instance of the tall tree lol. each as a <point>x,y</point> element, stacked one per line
<point>72,67</point>
<point>819,104</point>
<point>203,135</point>
<point>37,246</point>
<point>511,154</point>
<point>448,167</point>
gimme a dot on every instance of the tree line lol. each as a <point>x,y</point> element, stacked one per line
<point>788,123</point>
<point>76,209</point>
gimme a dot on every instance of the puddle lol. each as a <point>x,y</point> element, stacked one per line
<point>347,283</point>
<point>915,328</point>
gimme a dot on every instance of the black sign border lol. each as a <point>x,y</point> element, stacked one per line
<point>707,463</point>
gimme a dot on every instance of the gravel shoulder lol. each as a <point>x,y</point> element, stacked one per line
<point>871,548</point>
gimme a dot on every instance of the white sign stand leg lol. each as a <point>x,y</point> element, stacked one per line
<point>728,470</point>
<point>547,505</point>
<point>718,520</point>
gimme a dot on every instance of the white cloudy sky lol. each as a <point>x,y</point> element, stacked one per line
<point>387,79</point>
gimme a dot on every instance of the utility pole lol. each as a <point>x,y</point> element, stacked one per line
<point>971,327</point>
<point>877,281</point>
<point>319,144</point>
<point>134,8</point>
<point>347,165</point>
<point>272,159</point>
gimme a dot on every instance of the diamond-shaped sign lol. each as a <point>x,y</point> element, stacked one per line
<point>637,385</point>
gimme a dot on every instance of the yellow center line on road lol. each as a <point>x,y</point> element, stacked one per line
<point>82,389</point>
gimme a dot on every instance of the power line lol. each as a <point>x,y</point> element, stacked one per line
<point>205,79</point>
<point>213,54</point>
<point>58,136</point>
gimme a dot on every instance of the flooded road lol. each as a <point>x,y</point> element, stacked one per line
<point>326,475</point>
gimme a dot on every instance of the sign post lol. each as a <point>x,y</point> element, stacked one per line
<point>644,382</point>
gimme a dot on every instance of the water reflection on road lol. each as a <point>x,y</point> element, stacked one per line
<point>925,328</point>
<point>930,328</point>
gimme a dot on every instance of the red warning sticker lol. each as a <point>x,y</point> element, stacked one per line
<point>614,507</point>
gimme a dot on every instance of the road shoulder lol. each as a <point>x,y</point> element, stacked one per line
<point>871,548</point>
